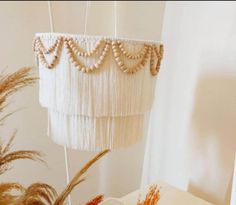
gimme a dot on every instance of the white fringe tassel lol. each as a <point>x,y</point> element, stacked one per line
<point>95,133</point>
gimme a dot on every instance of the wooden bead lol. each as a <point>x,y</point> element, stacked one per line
<point>78,67</point>
<point>117,58</point>
<point>120,63</point>
<point>96,66</point>
<point>126,70</point>
<point>99,62</point>
<point>116,54</point>
<point>123,67</point>
<point>70,55</point>
<point>88,69</point>
<point>83,69</point>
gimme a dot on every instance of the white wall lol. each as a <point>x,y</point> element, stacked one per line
<point>118,173</point>
<point>192,138</point>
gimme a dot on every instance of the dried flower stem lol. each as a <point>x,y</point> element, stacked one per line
<point>77,178</point>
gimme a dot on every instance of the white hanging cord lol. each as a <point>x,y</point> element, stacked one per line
<point>48,128</point>
<point>50,16</point>
<point>86,17</point>
<point>52,30</point>
<point>233,191</point>
<point>67,172</point>
<point>115,17</point>
<point>65,149</point>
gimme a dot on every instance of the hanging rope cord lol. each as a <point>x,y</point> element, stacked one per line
<point>88,4</point>
<point>115,17</point>
<point>86,17</point>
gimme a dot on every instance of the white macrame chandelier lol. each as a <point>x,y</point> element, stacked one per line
<point>98,90</point>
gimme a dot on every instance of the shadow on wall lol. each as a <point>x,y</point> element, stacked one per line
<point>214,143</point>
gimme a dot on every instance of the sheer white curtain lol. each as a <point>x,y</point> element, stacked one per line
<point>191,142</point>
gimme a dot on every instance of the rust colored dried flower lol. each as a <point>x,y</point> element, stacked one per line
<point>95,201</point>
<point>152,196</point>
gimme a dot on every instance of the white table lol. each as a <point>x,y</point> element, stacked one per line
<point>168,196</point>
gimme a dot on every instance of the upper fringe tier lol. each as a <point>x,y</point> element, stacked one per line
<point>105,91</point>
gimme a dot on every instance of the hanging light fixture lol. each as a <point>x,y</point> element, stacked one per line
<point>98,90</point>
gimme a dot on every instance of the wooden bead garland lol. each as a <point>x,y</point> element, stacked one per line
<point>40,51</point>
<point>49,50</point>
<point>129,55</point>
<point>159,54</point>
<point>118,50</point>
<point>117,54</point>
<point>73,59</point>
<point>76,50</point>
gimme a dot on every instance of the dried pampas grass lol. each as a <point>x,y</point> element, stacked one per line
<point>44,194</point>
<point>11,83</point>
<point>7,190</point>
<point>7,157</point>
<point>37,194</point>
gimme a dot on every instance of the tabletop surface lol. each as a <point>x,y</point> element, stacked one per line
<point>168,196</point>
